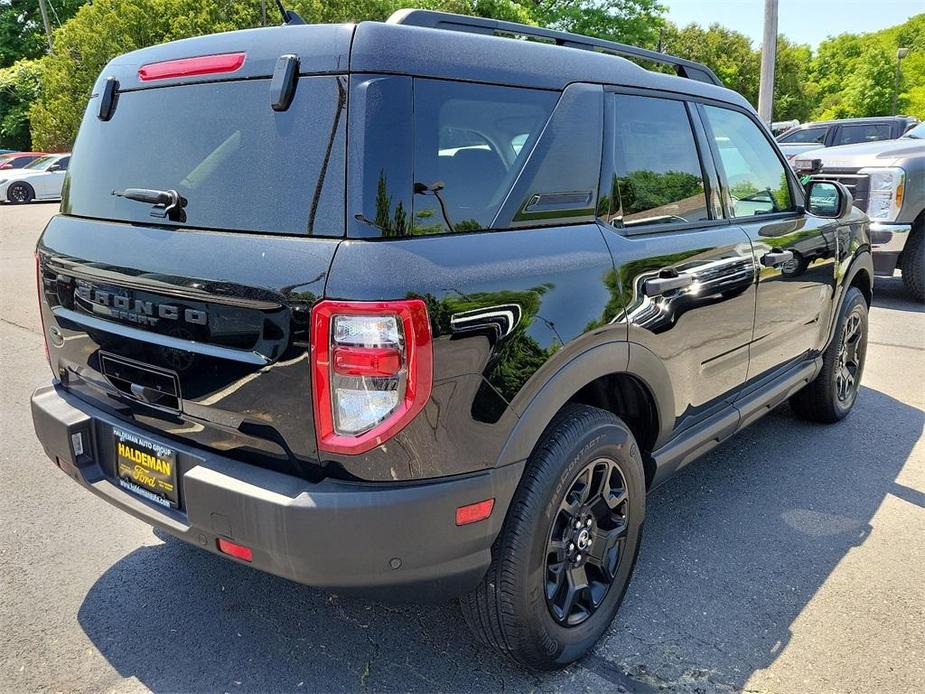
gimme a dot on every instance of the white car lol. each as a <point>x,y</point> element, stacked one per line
<point>40,180</point>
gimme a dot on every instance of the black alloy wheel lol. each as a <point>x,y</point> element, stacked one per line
<point>850,359</point>
<point>830,396</point>
<point>586,542</point>
<point>563,560</point>
<point>20,193</point>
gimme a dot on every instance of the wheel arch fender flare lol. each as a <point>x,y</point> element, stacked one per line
<point>862,262</point>
<point>618,357</point>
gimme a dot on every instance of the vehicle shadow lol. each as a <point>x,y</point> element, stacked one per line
<point>891,293</point>
<point>735,547</point>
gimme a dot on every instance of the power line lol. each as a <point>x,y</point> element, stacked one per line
<point>54,12</point>
<point>45,22</point>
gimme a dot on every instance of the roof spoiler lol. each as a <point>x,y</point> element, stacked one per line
<point>494,27</point>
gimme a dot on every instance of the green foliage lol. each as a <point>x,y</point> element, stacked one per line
<point>643,190</point>
<point>22,34</point>
<point>108,28</point>
<point>738,64</point>
<point>19,84</point>
<point>105,29</point>
<point>854,74</point>
<point>636,22</point>
<point>391,223</point>
<point>729,53</point>
<point>850,75</point>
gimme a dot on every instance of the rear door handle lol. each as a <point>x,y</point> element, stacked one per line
<point>660,285</point>
<point>776,258</point>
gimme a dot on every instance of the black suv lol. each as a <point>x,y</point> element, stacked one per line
<point>418,309</point>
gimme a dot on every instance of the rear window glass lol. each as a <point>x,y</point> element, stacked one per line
<point>470,141</point>
<point>239,164</point>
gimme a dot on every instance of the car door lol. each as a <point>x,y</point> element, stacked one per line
<point>49,184</point>
<point>686,276</point>
<point>797,253</point>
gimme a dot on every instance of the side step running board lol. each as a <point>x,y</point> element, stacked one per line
<point>694,442</point>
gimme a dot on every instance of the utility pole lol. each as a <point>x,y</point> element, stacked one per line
<point>768,58</point>
<point>263,13</point>
<point>900,54</point>
<point>45,22</point>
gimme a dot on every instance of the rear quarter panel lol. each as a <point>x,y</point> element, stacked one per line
<point>502,305</point>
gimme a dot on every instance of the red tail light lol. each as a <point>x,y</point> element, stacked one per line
<point>191,67</point>
<point>372,369</point>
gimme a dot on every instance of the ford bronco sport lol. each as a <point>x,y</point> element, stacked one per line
<point>418,309</point>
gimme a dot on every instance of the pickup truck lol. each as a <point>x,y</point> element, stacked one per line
<point>887,180</point>
<point>848,131</point>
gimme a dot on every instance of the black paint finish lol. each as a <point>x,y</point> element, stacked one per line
<point>558,293</point>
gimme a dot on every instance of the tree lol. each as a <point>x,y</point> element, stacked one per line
<point>637,22</point>
<point>19,84</point>
<point>22,34</point>
<point>737,63</point>
<point>793,91</point>
<point>107,28</point>
<point>854,74</point>
<point>727,52</point>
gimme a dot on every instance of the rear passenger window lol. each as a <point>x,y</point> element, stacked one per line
<point>805,136</point>
<point>756,179</point>
<point>852,134</point>
<point>658,177</point>
<point>470,141</point>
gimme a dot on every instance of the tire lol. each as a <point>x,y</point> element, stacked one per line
<point>20,193</point>
<point>912,263</point>
<point>510,610</point>
<point>832,394</point>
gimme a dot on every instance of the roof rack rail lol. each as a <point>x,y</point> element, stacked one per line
<point>492,27</point>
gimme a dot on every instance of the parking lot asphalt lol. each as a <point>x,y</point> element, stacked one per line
<point>789,559</point>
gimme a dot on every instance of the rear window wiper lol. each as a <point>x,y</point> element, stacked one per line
<point>167,203</point>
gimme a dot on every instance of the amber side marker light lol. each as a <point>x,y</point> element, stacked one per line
<point>235,550</point>
<point>191,67</point>
<point>473,513</point>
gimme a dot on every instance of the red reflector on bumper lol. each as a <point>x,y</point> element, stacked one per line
<point>473,513</point>
<point>190,67</point>
<point>235,550</point>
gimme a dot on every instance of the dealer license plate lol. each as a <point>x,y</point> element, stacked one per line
<point>146,468</point>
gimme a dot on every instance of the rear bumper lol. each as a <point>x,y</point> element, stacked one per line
<point>331,534</point>
<point>887,241</point>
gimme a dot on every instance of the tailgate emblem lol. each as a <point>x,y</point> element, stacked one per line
<point>138,310</point>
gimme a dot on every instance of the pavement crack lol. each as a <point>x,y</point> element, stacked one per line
<point>896,345</point>
<point>20,326</point>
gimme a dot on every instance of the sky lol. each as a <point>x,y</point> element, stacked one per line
<point>802,21</point>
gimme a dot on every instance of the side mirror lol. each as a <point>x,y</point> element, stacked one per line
<point>828,199</point>
<point>54,167</point>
